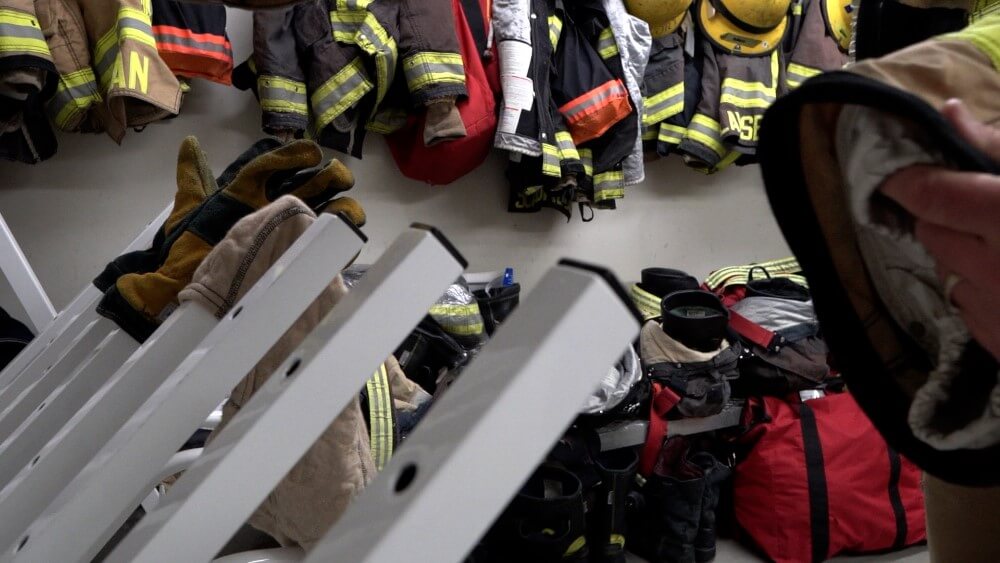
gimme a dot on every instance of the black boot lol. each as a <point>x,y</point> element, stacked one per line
<point>672,496</point>
<point>606,520</point>
<point>497,305</point>
<point>544,523</point>
<point>716,473</point>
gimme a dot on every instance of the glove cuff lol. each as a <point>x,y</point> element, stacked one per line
<point>114,307</point>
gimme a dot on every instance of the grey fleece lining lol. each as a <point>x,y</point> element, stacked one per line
<point>870,147</point>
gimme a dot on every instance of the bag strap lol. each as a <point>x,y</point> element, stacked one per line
<point>477,24</point>
<point>896,500</point>
<point>755,333</point>
<point>663,399</point>
<point>819,500</point>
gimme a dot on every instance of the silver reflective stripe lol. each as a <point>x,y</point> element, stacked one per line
<point>26,31</point>
<point>344,28</point>
<point>737,93</point>
<point>340,93</point>
<point>603,95</point>
<point>106,62</point>
<point>672,134</point>
<point>606,44</point>
<point>137,24</point>
<point>67,95</point>
<point>665,108</point>
<point>419,73</point>
<point>201,45</point>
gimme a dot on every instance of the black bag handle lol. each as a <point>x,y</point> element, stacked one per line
<point>477,24</point>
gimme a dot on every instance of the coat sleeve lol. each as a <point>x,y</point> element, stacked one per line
<point>814,50</point>
<point>702,144</point>
<point>428,45</point>
<point>281,85</point>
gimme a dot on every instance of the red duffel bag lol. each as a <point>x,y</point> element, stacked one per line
<point>819,480</point>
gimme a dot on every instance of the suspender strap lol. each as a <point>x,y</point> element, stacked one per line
<point>819,505</point>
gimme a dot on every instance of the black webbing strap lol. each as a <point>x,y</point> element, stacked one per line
<point>819,504</point>
<point>898,512</point>
<point>477,24</point>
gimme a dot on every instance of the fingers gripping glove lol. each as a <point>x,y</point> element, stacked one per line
<point>203,213</point>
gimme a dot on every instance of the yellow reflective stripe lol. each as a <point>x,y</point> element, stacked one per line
<point>550,160</point>
<point>984,8</point>
<point>105,53</point>
<point>671,134</point>
<point>606,45</point>
<point>797,9</point>
<point>567,149</point>
<point>340,92</point>
<point>778,266</point>
<point>647,303</point>
<point>781,267</point>
<point>797,74</point>
<point>20,33</point>
<point>449,310</point>
<point>353,4</point>
<point>706,131</point>
<point>984,34</point>
<point>617,539</point>
<point>578,544</point>
<point>461,320</point>
<point>282,95</point>
<point>555,31</point>
<point>345,24</point>
<point>665,104</point>
<point>21,44</point>
<point>136,25</point>
<point>380,406</point>
<point>76,92</point>
<point>77,78</point>
<point>648,133</point>
<point>749,103</point>
<point>422,69</point>
<point>587,158</point>
<point>373,39</point>
<point>609,185</point>
<point>747,94</point>
<point>18,18</point>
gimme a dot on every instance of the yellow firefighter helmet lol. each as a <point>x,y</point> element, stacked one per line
<point>749,27</point>
<point>837,14</point>
<point>663,16</point>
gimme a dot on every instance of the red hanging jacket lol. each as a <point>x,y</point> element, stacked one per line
<point>446,162</point>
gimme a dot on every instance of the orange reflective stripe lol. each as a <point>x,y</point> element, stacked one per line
<point>203,55</point>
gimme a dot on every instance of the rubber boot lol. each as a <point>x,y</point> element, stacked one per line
<point>544,523</point>
<point>606,528</point>
<point>496,307</point>
<point>673,497</point>
<point>716,473</point>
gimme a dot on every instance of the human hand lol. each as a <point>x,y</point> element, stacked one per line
<point>958,222</point>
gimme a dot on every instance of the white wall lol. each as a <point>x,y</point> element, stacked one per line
<point>77,210</point>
